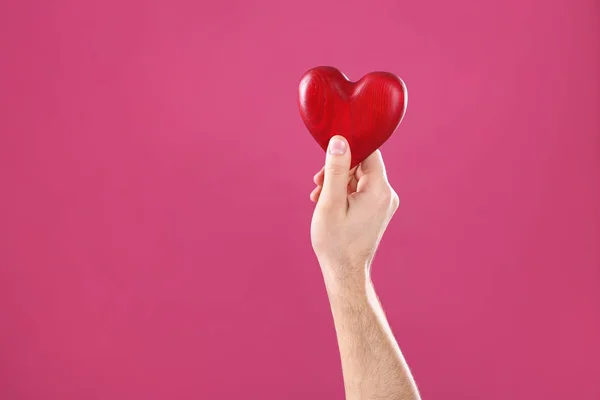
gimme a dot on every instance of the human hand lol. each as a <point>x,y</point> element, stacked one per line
<point>353,210</point>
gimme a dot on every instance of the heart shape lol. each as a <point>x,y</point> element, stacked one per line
<point>365,112</point>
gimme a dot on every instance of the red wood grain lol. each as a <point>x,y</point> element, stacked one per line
<point>366,112</point>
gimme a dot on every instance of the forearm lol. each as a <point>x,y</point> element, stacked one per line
<point>372,363</point>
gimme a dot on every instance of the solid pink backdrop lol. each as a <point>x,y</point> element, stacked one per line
<point>154,210</point>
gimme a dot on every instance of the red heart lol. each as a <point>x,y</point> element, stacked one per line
<point>365,112</point>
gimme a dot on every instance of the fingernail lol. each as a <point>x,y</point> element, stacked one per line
<point>337,147</point>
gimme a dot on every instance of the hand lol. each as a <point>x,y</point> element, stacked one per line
<point>353,210</point>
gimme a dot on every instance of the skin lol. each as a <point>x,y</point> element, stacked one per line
<point>353,209</point>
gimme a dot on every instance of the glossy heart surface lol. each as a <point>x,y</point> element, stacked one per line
<point>365,112</point>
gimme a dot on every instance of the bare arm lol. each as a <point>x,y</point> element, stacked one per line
<point>353,210</point>
<point>372,363</point>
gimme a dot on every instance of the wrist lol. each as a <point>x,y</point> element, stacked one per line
<point>346,280</point>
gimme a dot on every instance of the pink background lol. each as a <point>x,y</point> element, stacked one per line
<point>154,210</point>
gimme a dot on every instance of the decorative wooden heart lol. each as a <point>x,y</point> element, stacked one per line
<point>365,112</point>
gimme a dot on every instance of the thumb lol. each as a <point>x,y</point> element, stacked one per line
<point>336,173</point>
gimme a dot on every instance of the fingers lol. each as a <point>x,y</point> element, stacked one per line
<point>372,165</point>
<point>315,194</point>
<point>319,176</point>
<point>373,185</point>
<point>353,182</point>
<point>334,192</point>
<point>371,174</point>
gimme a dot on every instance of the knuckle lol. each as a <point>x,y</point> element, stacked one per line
<point>388,197</point>
<point>395,200</point>
<point>385,195</point>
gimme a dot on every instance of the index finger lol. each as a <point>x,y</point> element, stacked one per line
<point>372,165</point>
